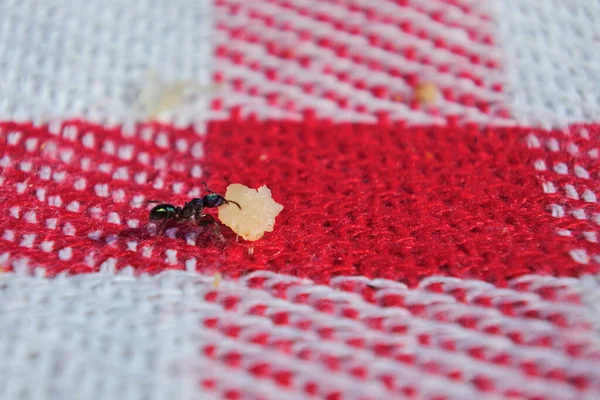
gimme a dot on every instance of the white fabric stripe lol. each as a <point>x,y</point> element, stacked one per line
<point>105,336</point>
<point>591,298</point>
<point>552,59</point>
<point>64,59</point>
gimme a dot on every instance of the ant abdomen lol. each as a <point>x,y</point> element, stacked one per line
<point>164,212</point>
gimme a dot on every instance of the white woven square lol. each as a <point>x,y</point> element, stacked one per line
<point>65,59</point>
<point>552,59</point>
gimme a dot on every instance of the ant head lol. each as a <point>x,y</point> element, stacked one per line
<point>213,200</point>
<point>216,200</point>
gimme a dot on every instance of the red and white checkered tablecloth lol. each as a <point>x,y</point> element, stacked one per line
<point>439,245</point>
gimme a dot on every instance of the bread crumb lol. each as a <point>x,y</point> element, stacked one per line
<point>251,251</point>
<point>217,279</point>
<point>427,93</point>
<point>257,215</point>
<point>157,96</point>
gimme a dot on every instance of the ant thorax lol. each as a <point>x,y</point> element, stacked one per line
<point>192,207</point>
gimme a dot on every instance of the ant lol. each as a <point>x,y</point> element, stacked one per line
<point>193,209</point>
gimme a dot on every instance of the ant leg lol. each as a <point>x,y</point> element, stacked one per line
<point>218,233</point>
<point>160,227</point>
<point>204,219</point>
<point>206,187</point>
<point>207,219</point>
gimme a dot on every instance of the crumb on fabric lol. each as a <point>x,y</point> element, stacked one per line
<point>217,277</point>
<point>427,93</point>
<point>251,251</point>
<point>158,96</point>
<point>257,214</point>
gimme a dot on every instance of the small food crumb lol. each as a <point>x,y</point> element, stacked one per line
<point>217,279</point>
<point>250,251</point>
<point>257,215</point>
<point>262,157</point>
<point>426,93</point>
<point>158,96</point>
<point>171,97</point>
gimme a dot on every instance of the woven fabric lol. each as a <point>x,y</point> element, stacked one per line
<point>489,204</point>
<point>354,61</point>
<point>437,161</point>
<point>102,60</point>
<point>183,335</point>
<point>551,48</point>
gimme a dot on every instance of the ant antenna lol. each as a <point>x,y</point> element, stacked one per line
<point>231,201</point>
<point>206,186</point>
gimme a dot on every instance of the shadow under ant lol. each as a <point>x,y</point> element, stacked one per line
<point>203,235</point>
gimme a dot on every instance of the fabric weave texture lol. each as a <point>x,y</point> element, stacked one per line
<point>437,161</point>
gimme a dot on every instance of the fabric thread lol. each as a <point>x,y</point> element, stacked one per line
<point>551,54</point>
<point>61,60</point>
<point>357,61</point>
<point>280,337</point>
<point>456,201</point>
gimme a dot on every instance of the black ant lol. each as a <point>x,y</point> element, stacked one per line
<point>193,209</point>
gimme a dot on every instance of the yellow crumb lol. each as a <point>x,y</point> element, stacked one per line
<point>172,96</point>
<point>158,96</point>
<point>427,93</point>
<point>257,214</point>
<point>217,279</point>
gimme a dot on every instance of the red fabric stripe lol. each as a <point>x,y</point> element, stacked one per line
<point>383,201</point>
<point>395,202</point>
